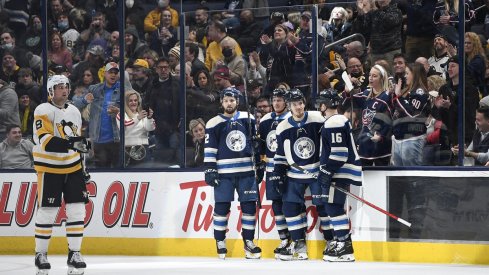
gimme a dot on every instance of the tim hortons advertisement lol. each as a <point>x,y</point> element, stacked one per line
<point>139,205</point>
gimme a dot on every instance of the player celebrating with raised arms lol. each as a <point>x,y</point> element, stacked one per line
<point>298,139</point>
<point>340,166</point>
<point>229,166</point>
<point>266,131</point>
<point>60,174</point>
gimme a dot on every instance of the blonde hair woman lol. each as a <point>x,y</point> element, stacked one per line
<point>137,125</point>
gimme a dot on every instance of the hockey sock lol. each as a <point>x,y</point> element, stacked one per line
<point>325,223</point>
<point>295,220</point>
<point>339,220</point>
<point>280,222</point>
<point>248,219</point>
<point>221,211</point>
<point>44,227</point>
<point>75,225</point>
<point>304,218</point>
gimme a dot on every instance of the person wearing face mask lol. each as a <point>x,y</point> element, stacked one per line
<point>248,32</point>
<point>23,57</point>
<point>153,18</point>
<point>68,33</point>
<point>235,63</point>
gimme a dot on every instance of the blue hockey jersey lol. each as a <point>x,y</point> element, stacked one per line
<point>376,117</point>
<point>339,154</point>
<point>228,144</point>
<point>410,113</point>
<point>299,142</point>
<point>267,132</point>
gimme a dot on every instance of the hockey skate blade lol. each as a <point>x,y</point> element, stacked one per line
<point>75,271</point>
<point>221,256</point>
<point>344,258</point>
<point>252,256</point>
<point>295,257</point>
<point>42,271</point>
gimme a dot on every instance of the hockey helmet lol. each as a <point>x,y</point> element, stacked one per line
<point>328,97</point>
<point>230,91</point>
<point>280,92</point>
<point>56,80</point>
<point>295,95</point>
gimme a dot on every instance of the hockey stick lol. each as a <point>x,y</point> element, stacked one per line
<point>406,223</point>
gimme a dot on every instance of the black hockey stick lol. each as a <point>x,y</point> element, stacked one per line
<point>406,223</point>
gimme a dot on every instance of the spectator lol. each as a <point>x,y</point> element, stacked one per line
<point>201,22</point>
<point>203,101</point>
<point>441,54</point>
<point>248,33</point>
<point>235,62</point>
<point>89,78</point>
<point>216,33</point>
<point>69,34</point>
<point>26,85</point>
<point>32,40</point>
<point>275,19</point>
<point>374,139</point>
<point>411,111</point>
<point>301,68</point>
<point>478,148</point>
<point>383,25</point>
<point>174,58</point>
<point>24,58</point>
<point>9,108</point>
<point>338,27</point>
<point>476,61</point>
<point>165,36</point>
<point>152,19</point>
<point>355,49</point>
<point>95,59</point>
<point>26,114</point>
<point>15,152</point>
<point>399,64</point>
<point>197,132</point>
<point>10,70</point>
<point>58,53</point>
<point>263,105</point>
<point>142,78</point>
<point>254,89</point>
<point>104,106</point>
<point>134,45</point>
<point>278,56</point>
<point>138,122</point>
<point>229,17</point>
<point>18,14</point>
<point>164,100</point>
<point>96,30</point>
<point>191,55</point>
<point>109,9</point>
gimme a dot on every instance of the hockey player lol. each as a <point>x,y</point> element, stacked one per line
<point>57,161</point>
<point>266,132</point>
<point>298,139</point>
<point>340,165</point>
<point>229,167</point>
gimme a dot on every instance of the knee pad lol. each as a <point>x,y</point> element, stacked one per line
<point>46,215</point>
<point>248,207</point>
<point>334,209</point>
<point>277,206</point>
<point>292,209</point>
<point>222,208</point>
<point>75,212</point>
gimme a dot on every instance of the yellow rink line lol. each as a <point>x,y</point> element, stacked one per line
<point>417,252</point>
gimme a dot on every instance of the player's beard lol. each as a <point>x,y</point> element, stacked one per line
<point>230,110</point>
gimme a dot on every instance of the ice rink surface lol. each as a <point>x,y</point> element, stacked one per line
<point>122,265</point>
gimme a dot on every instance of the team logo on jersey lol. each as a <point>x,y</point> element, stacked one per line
<point>367,117</point>
<point>236,141</point>
<point>67,129</point>
<point>272,141</point>
<point>304,148</point>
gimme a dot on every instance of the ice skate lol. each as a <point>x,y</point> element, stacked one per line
<point>297,250</point>
<point>76,264</point>
<point>42,264</point>
<point>330,246</point>
<point>221,249</point>
<point>251,250</point>
<point>283,244</point>
<point>343,252</point>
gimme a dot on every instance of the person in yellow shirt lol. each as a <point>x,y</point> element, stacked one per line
<point>214,55</point>
<point>152,20</point>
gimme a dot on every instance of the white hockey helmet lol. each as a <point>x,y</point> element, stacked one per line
<point>56,80</point>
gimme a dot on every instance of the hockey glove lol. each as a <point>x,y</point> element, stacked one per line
<point>211,177</point>
<point>79,144</point>
<point>278,182</point>
<point>260,171</point>
<point>324,178</point>
<point>86,177</point>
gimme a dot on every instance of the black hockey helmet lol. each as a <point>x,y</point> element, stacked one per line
<point>295,95</point>
<point>328,97</point>
<point>280,92</point>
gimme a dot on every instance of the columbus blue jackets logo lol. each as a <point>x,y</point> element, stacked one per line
<point>236,141</point>
<point>304,148</point>
<point>272,141</point>
<point>367,117</point>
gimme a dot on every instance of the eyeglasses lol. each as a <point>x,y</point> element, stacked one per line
<point>355,66</point>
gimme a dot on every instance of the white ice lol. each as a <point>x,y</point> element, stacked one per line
<point>139,265</point>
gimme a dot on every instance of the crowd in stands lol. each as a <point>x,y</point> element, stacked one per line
<point>403,99</point>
